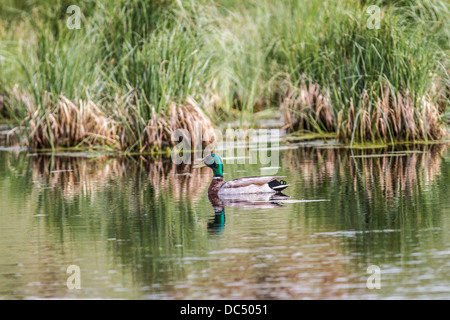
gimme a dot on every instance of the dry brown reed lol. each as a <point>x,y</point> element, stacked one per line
<point>59,122</point>
<point>307,107</point>
<point>391,116</point>
<point>62,123</point>
<point>138,129</point>
<point>190,117</point>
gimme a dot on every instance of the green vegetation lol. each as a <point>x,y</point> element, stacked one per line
<point>137,70</point>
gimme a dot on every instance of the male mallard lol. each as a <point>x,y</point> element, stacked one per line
<point>238,186</point>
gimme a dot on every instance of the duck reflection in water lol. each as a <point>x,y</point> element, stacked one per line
<point>216,224</point>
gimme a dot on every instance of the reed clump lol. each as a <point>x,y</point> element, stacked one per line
<point>128,77</point>
<point>64,124</point>
<point>375,85</point>
<point>140,132</point>
<point>392,118</point>
<point>307,107</point>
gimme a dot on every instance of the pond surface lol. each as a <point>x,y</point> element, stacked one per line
<point>145,229</point>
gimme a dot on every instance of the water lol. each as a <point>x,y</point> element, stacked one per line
<point>145,229</point>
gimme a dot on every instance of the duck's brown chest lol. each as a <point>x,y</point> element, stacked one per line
<point>215,185</point>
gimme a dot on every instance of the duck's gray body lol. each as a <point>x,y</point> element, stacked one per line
<point>247,185</point>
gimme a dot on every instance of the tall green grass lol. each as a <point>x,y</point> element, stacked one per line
<point>135,59</point>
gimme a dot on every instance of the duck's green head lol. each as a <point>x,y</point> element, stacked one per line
<point>214,162</point>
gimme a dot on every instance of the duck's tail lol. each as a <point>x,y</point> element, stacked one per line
<point>278,186</point>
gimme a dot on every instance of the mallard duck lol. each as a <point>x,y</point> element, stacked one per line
<point>246,185</point>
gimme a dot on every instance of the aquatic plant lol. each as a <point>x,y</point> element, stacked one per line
<point>140,62</point>
<point>369,84</point>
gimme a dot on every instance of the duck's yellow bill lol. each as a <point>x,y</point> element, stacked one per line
<point>200,165</point>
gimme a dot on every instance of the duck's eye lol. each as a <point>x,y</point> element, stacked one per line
<point>209,161</point>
